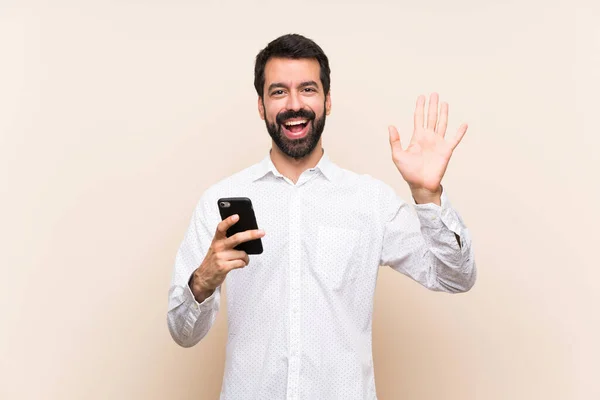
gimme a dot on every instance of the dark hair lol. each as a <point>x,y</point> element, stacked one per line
<point>292,46</point>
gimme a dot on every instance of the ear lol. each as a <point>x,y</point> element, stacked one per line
<point>328,103</point>
<point>261,108</point>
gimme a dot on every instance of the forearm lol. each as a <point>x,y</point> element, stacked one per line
<point>448,246</point>
<point>189,320</point>
<point>452,267</point>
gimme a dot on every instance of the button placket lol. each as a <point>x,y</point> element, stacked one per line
<point>295,263</point>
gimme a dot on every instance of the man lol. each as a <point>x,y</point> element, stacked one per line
<point>300,314</point>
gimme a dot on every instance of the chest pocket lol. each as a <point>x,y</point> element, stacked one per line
<point>337,255</point>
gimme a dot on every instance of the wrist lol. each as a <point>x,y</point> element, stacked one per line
<point>198,288</point>
<point>424,196</point>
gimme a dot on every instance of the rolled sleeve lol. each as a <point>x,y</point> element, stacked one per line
<point>435,259</point>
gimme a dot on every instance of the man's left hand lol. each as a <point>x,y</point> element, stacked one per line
<point>424,162</point>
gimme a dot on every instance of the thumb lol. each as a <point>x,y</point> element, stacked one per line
<point>394,137</point>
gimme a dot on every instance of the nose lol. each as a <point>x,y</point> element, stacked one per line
<point>293,101</point>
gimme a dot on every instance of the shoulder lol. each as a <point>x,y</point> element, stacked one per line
<point>370,195</point>
<point>364,182</point>
<point>240,178</point>
<point>381,196</point>
<point>230,186</point>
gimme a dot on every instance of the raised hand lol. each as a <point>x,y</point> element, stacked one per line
<point>424,162</point>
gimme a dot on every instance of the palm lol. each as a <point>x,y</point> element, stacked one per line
<point>423,163</point>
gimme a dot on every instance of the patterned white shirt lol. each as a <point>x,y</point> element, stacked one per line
<point>300,314</point>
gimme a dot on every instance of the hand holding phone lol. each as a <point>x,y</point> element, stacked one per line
<point>236,237</point>
<point>223,256</point>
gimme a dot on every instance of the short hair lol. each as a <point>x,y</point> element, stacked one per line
<point>293,46</point>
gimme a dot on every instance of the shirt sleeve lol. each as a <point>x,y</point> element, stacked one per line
<point>188,320</point>
<point>421,242</point>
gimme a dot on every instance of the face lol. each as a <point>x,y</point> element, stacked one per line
<point>294,105</point>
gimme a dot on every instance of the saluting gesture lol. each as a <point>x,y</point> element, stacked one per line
<point>424,162</point>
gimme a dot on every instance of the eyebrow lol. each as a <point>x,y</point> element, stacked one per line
<point>300,86</point>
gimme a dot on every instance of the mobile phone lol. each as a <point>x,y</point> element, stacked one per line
<point>242,206</point>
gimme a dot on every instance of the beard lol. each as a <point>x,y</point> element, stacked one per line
<point>297,148</point>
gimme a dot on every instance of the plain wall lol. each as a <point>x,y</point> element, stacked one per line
<point>115,116</point>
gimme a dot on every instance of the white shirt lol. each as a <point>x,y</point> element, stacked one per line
<point>300,314</point>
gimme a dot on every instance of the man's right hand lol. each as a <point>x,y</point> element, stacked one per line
<point>221,258</point>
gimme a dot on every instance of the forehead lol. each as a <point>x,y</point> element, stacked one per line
<point>292,72</point>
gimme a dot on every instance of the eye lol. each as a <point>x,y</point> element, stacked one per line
<point>309,89</point>
<point>277,93</point>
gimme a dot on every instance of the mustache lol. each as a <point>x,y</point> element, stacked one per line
<point>285,115</point>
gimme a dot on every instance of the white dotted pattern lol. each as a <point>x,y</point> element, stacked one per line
<point>300,314</point>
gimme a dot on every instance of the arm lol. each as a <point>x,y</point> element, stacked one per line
<point>189,320</point>
<point>433,247</point>
<point>423,245</point>
<point>202,264</point>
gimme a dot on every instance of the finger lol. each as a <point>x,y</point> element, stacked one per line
<point>242,237</point>
<point>394,138</point>
<point>230,255</point>
<point>235,264</point>
<point>459,135</point>
<point>443,122</point>
<point>222,227</point>
<point>419,112</point>
<point>432,112</point>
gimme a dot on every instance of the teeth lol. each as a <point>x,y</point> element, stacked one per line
<point>292,123</point>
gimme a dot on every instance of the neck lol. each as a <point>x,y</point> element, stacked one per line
<point>292,168</point>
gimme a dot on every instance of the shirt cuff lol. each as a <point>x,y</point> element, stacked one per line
<point>195,308</point>
<point>430,214</point>
<point>207,303</point>
<point>433,216</point>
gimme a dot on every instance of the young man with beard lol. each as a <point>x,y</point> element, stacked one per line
<point>300,314</point>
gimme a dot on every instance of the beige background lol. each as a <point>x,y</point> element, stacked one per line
<point>116,115</point>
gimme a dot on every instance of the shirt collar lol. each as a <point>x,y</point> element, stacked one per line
<point>325,166</point>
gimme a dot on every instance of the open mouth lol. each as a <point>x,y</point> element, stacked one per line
<point>295,128</point>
